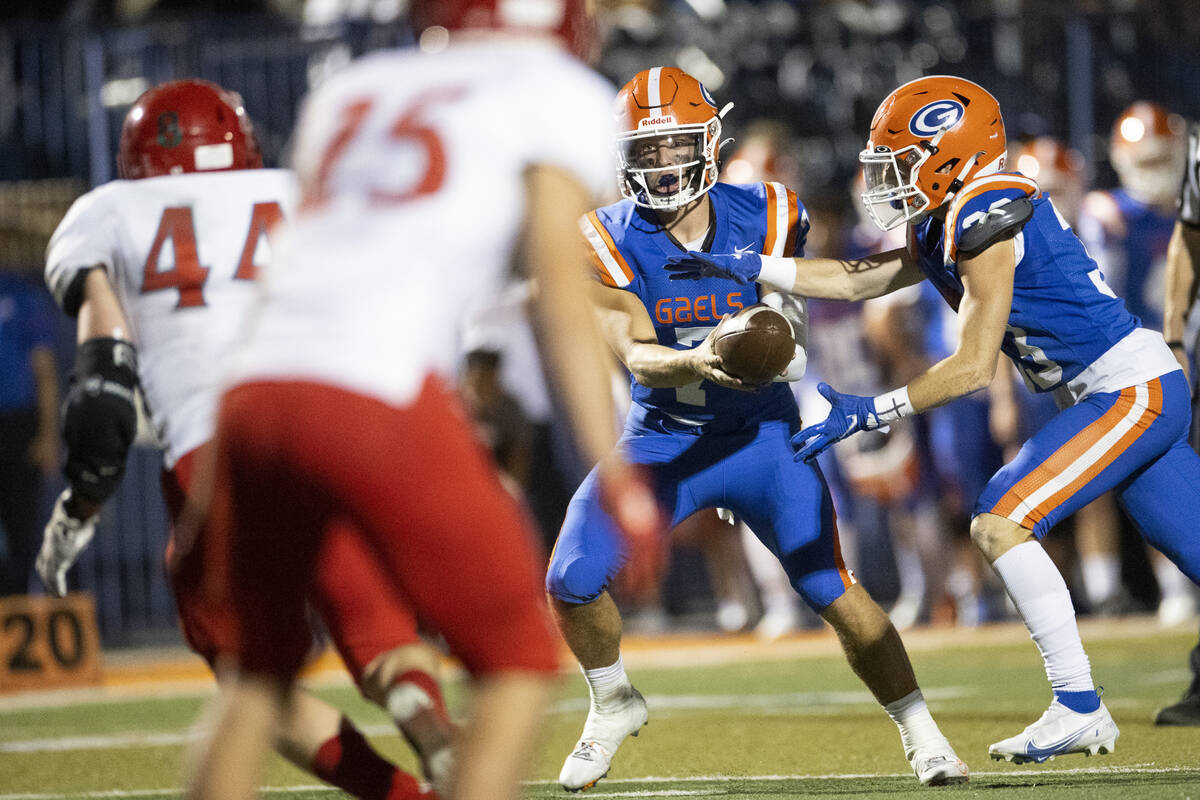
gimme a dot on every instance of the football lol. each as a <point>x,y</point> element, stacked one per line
<point>756,344</point>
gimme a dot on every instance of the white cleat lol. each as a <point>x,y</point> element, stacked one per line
<point>603,733</point>
<point>1060,731</point>
<point>939,766</point>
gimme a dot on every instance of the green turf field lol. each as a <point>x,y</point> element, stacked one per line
<point>724,724</point>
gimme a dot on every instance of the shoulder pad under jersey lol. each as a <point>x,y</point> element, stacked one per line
<point>998,223</point>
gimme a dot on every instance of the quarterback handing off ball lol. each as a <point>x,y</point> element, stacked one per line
<point>756,344</point>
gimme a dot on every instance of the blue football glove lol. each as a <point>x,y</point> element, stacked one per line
<point>741,266</point>
<point>850,414</point>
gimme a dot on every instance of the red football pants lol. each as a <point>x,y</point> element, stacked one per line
<point>294,457</point>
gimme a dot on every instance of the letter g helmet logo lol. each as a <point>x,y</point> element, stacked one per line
<point>932,117</point>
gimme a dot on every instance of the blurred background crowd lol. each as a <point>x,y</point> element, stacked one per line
<point>1096,93</point>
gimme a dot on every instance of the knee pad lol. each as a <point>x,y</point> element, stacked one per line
<point>577,580</point>
<point>100,417</point>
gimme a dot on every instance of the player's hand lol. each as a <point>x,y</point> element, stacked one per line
<point>849,414</point>
<point>740,266</point>
<point>62,542</point>
<point>628,497</point>
<point>707,365</point>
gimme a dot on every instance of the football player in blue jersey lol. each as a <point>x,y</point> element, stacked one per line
<point>707,438</point>
<point>1022,283</point>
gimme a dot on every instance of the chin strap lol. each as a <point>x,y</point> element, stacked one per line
<point>957,183</point>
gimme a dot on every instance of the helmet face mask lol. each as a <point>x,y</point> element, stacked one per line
<point>670,134</point>
<point>892,196</point>
<point>667,170</point>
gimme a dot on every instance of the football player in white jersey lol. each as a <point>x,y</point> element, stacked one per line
<point>423,174</point>
<point>159,268</point>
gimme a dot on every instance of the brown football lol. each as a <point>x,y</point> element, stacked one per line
<point>756,344</point>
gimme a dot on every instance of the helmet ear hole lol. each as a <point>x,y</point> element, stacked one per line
<point>946,167</point>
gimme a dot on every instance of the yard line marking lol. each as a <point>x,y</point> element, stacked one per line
<point>1131,769</point>
<point>790,703</point>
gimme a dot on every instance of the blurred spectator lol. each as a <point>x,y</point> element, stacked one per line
<point>28,422</point>
<point>1126,230</point>
<point>499,422</point>
<point>1058,170</point>
<point>501,327</point>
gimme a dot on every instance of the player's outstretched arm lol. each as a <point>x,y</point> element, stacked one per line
<point>628,329</point>
<point>982,314</point>
<point>99,425</point>
<point>831,278</point>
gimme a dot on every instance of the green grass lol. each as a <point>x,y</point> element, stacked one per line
<point>778,728</point>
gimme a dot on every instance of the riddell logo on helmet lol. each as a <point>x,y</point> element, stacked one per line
<point>651,122</point>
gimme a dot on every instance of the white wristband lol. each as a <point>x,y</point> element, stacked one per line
<point>778,273</point>
<point>893,405</point>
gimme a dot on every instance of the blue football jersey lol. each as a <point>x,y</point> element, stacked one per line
<point>1064,316</point>
<point>629,248</point>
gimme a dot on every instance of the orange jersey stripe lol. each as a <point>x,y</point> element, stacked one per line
<point>789,247</point>
<point>1153,409</point>
<point>622,264</point>
<point>601,271</point>
<point>1064,456</point>
<point>772,204</point>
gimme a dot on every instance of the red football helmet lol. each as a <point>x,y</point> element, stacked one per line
<point>668,138</point>
<point>1148,153</point>
<point>568,20</point>
<point>186,126</point>
<point>929,138</point>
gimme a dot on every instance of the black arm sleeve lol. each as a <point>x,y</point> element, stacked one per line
<point>1189,194</point>
<point>99,417</point>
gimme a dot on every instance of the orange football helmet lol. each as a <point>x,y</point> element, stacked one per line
<point>1058,170</point>
<point>669,136</point>
<point>1148,153</point>
<point>927,139</point>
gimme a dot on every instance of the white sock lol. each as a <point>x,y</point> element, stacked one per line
<point>916,724</point>
<point>1101,576</point>
<point>605,683</point>
<point>1040,595</point>
<point>406,700</point>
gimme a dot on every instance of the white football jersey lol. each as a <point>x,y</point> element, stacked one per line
<point>182,252</point>
<point>411,168</point>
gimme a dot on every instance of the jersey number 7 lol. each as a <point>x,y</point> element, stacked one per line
<point>187,275</point>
